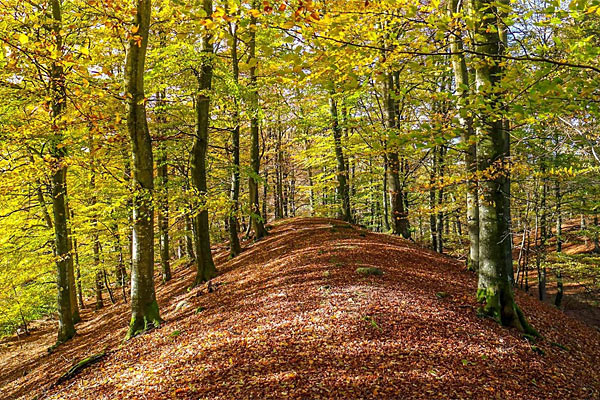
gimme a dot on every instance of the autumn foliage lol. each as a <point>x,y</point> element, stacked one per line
<point>291,318</point>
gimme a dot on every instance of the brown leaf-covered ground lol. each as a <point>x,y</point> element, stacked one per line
<point>291,319</point>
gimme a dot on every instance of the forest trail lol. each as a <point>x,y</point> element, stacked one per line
<point>291,318</point>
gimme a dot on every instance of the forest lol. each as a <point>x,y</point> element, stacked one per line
<point>159,160</point>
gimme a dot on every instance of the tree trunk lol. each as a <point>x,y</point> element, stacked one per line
<point>440,201</point>
<point>386,212</point>
<point>127,177</point>
<point>234,193</point>
<point>163,188</point>
<point>278,176</point>
<point>72,284</point>
<point>144,307</point>
<point>505,126</point>
<point>78,274</point>
<point>432,201</point>
<point>461,79</point>
<point>205,265</point>
<point>94,223</point>
<point>596,235</point>
<point>256,221</point>
<point>107,285</point>
<point>494,287</point>
<point>342,178</point>
<point>558,217</point>
<point>163,211</point>
<point>66,328</point>
<point>400,225</point>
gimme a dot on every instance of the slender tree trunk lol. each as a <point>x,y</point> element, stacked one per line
<point>559,289</point>
<point>558,217</point>
<point>98,281</point>
<point>205,265</point>
<point>163,211</point>
<point>541,271</point>
<point>386,209</point>
<point>400,225</point>
<point>108,288</point>
<point>502,14</point>
<point>494,288</point>
<point>189,238</point>
<point>94,223</point>
<point>234,193</point>
<point>278,177</point>
<point>461,79</point>
<point>256,221</point>
<point>163,190</point>
<point>127,177</point>
<point>342,178</point>
<point>78,274</point>
<point>144,307</point>
<point>265,210</point>
<point>440,201</point>
<point>72,282</point>
<point>596,235</point>
<point>432,201</point>
<point>66,328</point>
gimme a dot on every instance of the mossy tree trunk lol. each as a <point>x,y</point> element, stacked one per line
<point>494,287</point>
<point>66,328</point>
<point>144,307</point>
<point>204,261</point>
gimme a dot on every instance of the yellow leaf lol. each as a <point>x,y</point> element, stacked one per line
<point>254,12</point>
<point>23,38</point>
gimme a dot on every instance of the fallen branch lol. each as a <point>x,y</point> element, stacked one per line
<point>75,369</point>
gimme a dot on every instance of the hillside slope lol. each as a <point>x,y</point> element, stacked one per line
<point>292,319</point>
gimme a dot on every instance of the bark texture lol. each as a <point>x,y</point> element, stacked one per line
<point>144,307</point>
<point>400,224</point>
<point>204,261</point>
<point>256,220</point>
<point>234,241</point>
<point>342,172</point>
<point>494,287</point>
<point>66,328</point>
<point>463,87</point>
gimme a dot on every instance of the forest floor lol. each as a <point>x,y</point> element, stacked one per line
<point>291,318</point>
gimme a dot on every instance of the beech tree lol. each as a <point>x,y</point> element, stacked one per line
<point>144,307</point>
<point>66,328</point>
<point>494,288</point>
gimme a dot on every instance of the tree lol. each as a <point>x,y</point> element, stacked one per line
<point>234,240</point>
<point>144,307</point>
<point>256,220</point>
<point>342,172</point>
<point>163,193</point>
<point>463,87</point>
<point>494,287</point>
<point>66,328</point>
<point>205,264</point>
